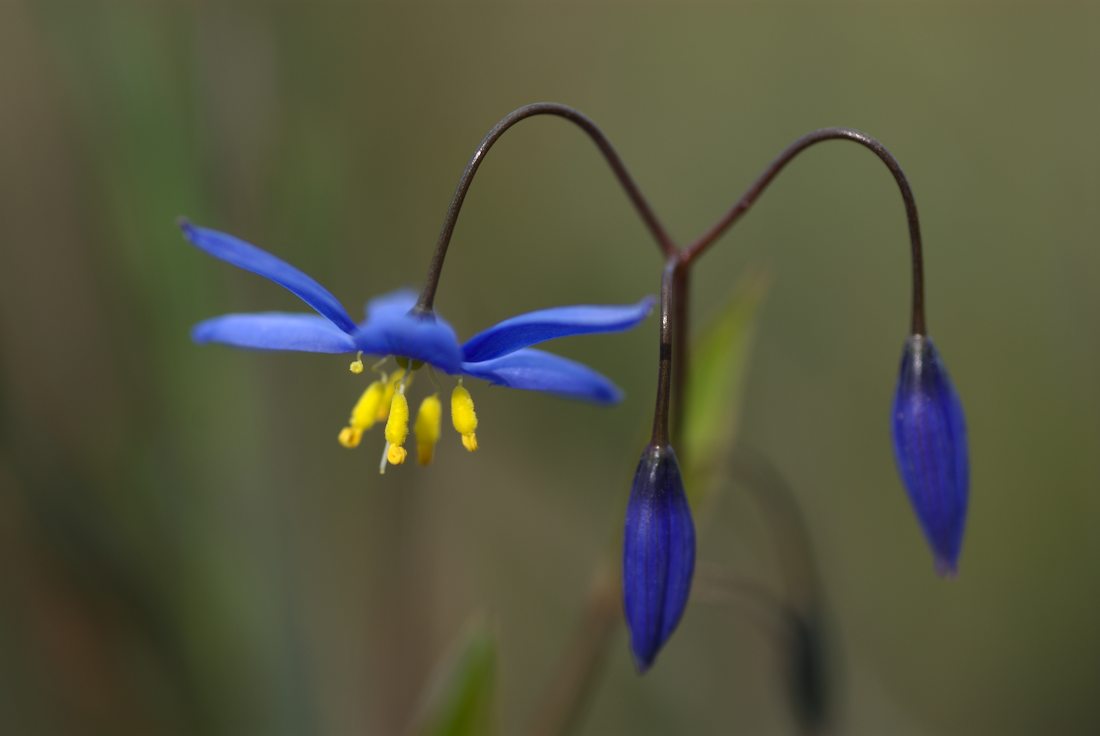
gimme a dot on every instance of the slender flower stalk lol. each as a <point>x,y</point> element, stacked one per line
<point>691,252</point>
<point>554,109</point>
<point>659,533</point>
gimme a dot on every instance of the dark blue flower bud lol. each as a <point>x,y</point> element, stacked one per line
<point>930,448</point>
<point>658,554</point>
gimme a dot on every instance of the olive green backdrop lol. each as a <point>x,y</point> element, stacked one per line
<point>185,549</point>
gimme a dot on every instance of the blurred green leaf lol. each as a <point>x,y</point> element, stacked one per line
<point>718,362</point>
<point>459,700</point>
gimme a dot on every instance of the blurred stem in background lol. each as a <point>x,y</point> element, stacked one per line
<point>811,670</point>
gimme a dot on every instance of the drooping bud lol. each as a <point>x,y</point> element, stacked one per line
<point>930,448</point>
<point>658,554</point>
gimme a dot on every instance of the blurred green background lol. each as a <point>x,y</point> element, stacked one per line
<point>185,549</point>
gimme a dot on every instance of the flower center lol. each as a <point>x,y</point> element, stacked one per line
<point>384,400</point>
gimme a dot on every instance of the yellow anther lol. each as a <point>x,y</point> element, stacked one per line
<point>362,415</point>
<point>397,428</point>
<point>356,366</point>
<point>390,387</point>
<point>464,417</point>
<point>365,412</point>
<point>428,420</point>
<point>350,437</point>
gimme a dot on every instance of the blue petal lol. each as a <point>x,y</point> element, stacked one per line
<point>391,330</point>
<point>275,331</point>
<point>929,433</point>
<point>658,554</point>
<point>392,304</point>
<point>546,324</point>
<point>535,370</point>
<point>250,258</point>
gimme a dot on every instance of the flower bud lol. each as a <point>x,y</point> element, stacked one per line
<point>658,554</point>
<point>930,449</point>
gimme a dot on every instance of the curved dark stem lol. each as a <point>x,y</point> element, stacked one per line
<point>811,668</point>
<point>692,251</point>
<point>664,240</point>
<point>669,299</point>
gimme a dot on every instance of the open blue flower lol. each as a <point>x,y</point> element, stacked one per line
<point>501,355</point>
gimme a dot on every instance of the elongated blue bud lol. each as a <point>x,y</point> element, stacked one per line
<point>658,554</point>
<point>930,448</point>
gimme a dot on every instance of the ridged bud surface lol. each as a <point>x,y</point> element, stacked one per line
<point>929,433</point>
<point>658,554</point>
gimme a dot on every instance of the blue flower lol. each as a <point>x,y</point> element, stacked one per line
<point>930,449</point>
<point>501,355</point>
<point>658,554</point>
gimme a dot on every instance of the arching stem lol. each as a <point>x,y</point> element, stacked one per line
<point>693,251</point>
<point>645,211</point>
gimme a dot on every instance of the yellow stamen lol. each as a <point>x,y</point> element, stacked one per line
<point>390,388</point>
<point>356,366</point>
<point>362,415</point>
<point>464,417</point>
<point>397,428</point>
<point>350,436</point>
<point>396,455</point>
<point>428,421</point>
